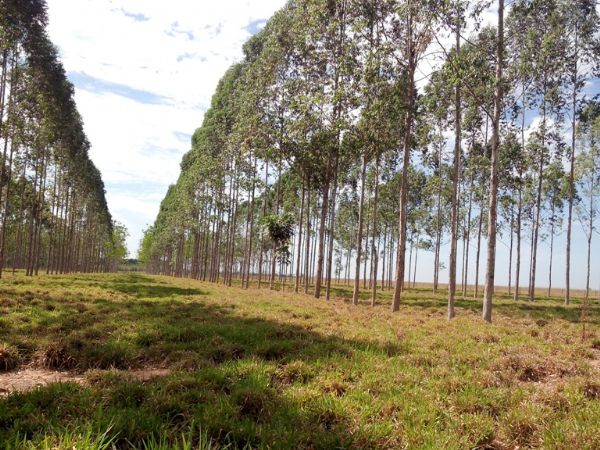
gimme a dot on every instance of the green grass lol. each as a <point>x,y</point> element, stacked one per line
<point>266,369</point>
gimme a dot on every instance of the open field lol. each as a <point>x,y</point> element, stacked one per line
<point>162,362</point>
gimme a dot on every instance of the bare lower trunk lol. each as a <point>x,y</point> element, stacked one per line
<point>493,195</point>
<point>321,243</point>
<point>374,256</point>
<point>331,230</point>
<point>307,239</point>
<point>518,261</point>
<point>510,252</point>
<point>299,256</point>
<point>478,255</point>
<point>571,176</point>
<point>454,214</point>
<point>359,234</point>
<point>408,124</point>
<point>551,251</point>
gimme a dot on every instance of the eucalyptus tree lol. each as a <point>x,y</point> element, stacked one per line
<point>520,76</point>
<point>433,125</point>
<point>325,104</point>
<point>493,189</point>
<point>583,54</point>
<point>411,28</point>
<point>555,194</point>
<point>455,18</point>
<point>53,209</point>
<point>545,48</point>
<point>323,59</point>
<point>587,172</point>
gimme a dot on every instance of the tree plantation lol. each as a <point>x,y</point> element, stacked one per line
<point>384,234</point>
<point>54,216</point>
<point>330,124</point>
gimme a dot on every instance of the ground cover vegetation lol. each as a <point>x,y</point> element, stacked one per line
<point>249,368</point>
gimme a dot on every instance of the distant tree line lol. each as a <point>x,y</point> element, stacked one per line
<point>53,211</point>
<point>334,118</point>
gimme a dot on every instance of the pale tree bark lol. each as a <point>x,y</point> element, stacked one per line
<point>307,239</point>
<point>264,214</point>
<point>408,125</point>
<point>455,176</point>
<point>510,252</point>
<point>374,256</point>
<point>468,241</point>
<point>321,240</point>
<point>553,218</point>
<point>299,252</point>
<point>571,175</point>
<point>438,227</point>
<point>332,229</point>
<point>538,208</point>
<point>359,234</point>
<point>493,195</point>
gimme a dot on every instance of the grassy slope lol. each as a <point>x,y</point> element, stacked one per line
<point>265,369</point>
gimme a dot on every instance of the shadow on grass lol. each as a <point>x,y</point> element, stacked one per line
<point>133,284</point>
<point>231,372</point>
<point>146,290</point>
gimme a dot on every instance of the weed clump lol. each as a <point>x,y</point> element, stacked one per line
<point>254,405</point>
<point>526,366</point>
<point>57,356</point>
<point>523,431</point>
<point>9,358</point>
<point>295,371</point>
<point>591,390</point>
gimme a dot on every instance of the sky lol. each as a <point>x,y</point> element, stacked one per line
<point>144,73</point>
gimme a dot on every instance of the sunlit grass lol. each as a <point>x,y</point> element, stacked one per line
<point>257,368</point>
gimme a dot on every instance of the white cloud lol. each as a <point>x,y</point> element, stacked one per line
<point>177,50</point>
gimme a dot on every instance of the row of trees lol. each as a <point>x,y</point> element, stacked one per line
<point>335,123</point>
<point>53,212</point>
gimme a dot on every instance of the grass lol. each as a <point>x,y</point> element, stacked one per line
<point>266,369</point>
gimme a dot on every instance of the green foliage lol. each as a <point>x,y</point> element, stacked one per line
<point>280,230</point>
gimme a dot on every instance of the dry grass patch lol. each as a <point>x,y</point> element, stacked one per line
<point>530,365</point>
<point>57,356</point>
<point>9,358</point>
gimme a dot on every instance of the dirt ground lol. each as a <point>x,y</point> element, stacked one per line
<point>32,378</point>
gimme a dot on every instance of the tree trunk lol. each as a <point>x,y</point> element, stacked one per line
<point>416,260</point>
<point>299,252</point>
<point>374,255</point>
<point>321,242</point>
<point>385,241</point>
<point>468,241</point>
<point>332,229</point>
<point>359,234</point>
<point>455,181</point>
<point>510,252</point>
<point>571,174</point>
<point>589,244</point>
<point>307,254</point>
<point>264,214</point>
<point>493,195</point>
<point>408,124</point>
<point>551,249</point>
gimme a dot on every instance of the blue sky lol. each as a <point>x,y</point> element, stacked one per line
<point>145,71</point>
